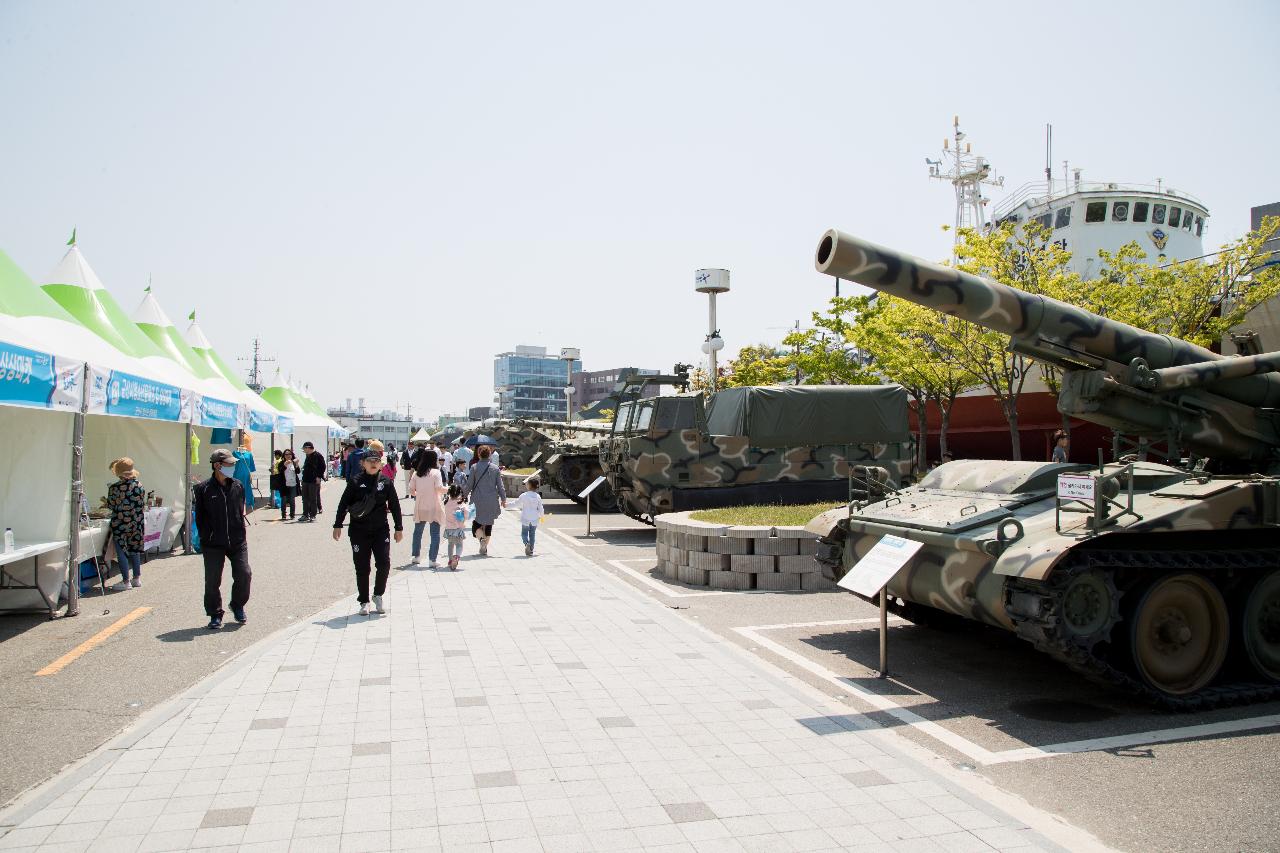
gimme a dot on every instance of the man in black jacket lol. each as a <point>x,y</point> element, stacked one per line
<point>219,505</point>
<point>370,497</point>
<point>312,476</point>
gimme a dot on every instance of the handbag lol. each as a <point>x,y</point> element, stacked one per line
<point>362,508</point>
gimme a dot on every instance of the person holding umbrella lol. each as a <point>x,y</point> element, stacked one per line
<point>484,489</point>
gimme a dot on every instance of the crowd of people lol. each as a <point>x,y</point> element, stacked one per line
<point>449,486</point>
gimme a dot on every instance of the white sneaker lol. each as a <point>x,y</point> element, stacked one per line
<point>364,609</point>
<point>377,602</point>
<point>136,582</point>
<point>417,561</point>
<point>434,564</point>
<point>121,587</point>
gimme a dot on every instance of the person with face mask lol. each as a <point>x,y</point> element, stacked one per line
<point>220,510</point>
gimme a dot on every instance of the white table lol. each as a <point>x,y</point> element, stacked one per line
<point>31,576</point>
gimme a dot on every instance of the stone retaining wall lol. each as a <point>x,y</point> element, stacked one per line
<point>514,484</point>
<point>724,556</point>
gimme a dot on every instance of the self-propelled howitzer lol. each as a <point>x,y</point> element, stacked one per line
<point>1159,578</point>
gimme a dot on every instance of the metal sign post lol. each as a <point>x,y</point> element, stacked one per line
<point>586,493</point>
<point>869,577</point>
<point>884,634</point>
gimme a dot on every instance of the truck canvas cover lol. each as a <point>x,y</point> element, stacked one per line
<point>811,415</point>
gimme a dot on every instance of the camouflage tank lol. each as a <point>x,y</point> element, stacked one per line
<point>1161,578</point>
<point>519,443</point>
<point>570,461</point>
<point>777,445</point>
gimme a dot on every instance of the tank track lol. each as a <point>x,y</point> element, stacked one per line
<point>1045,630</point>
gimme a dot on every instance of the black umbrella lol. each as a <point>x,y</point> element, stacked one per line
<point>479,440</point>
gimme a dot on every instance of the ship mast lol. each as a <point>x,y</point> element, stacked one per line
<point>256,362</point>
<point>968,173</point>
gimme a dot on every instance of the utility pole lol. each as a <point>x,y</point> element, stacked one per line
<point>255,366</point>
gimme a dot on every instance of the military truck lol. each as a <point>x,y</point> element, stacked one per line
<point>774,445</point>
<point>572,461</point>
<point>1157,573</point>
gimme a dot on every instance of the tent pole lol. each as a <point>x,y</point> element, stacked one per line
<point>77,496</point>
<point>186,488</point>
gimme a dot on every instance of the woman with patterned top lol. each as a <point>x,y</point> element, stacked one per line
<point>126,500</point>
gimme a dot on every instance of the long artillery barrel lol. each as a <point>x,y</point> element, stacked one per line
<point>561,426</point>
<point>1050,330</point>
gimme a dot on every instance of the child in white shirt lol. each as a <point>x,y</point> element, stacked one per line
<point>530,504</point>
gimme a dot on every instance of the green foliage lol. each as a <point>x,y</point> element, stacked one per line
<point>1197,301</point>
<point>759,364</point>
<point>607,415</point>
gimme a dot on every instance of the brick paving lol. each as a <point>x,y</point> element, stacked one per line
<point>515,705</point>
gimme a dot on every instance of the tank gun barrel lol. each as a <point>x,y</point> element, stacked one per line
<point>1207,373</point>
<point>570,427</point>
<point>1048,330</point>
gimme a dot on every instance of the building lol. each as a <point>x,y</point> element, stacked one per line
<point>386,426</point>
<point>1265,318</point>
<point>592,386</point>
<point>480,413</point>
<point>529,383</point>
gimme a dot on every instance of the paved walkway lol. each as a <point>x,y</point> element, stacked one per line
<point>518,704</point>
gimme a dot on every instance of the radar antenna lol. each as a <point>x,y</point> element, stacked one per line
<point>968,173</point>
<point>256,362</point>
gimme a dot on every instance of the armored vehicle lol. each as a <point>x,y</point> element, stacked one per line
<point>1161,578</point>
<point>776,445</point>
<point>570,460</point>
<point>519,443</point>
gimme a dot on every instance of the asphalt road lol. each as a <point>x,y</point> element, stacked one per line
<point>53,720</point>
<point>974,698</point>
<point>987,703</point>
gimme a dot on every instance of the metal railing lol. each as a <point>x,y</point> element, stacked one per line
<point>1038,192</point>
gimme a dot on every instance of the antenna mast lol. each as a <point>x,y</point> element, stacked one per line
<point>968,173</point>
<point>255,366</point>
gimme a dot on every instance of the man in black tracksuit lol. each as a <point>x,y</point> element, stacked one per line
<point>219,506</point>
<point>369,497</point>
<point>312,475</point>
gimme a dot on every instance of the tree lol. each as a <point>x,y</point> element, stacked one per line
<point>1192,300</point>
<point>758,364</point>
<point>916,348</point>
<point>823,355</point>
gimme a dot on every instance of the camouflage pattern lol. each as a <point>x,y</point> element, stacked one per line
<point>519,443</point>
<point>571,461</point>
<point>1224,410</point>
<point>998,547</point>
<point>667,470</point>
<point>963,571</point>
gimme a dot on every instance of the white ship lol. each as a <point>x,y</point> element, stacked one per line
<point>1083,216</point>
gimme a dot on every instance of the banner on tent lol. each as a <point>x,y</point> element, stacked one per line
<point>212,412</point>
<point>261,421</point>
<point>338,432</point>
<point>284,426</point>
<point>38,379</point>
<point>114,392</point>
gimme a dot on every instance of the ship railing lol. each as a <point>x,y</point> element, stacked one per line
<point>1039,192</point>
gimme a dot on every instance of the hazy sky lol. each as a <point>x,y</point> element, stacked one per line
<point>391,193</point>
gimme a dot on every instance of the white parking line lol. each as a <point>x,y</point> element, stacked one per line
<point>968,748</point>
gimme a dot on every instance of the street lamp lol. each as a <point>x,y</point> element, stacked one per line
<point>569,355</point>
<point>711,282</point>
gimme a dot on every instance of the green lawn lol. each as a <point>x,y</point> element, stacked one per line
<point>772,515</point>
<point>524,472</point>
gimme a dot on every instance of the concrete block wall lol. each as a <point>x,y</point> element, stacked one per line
<point>738,557</point>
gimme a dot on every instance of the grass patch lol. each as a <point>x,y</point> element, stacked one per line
<point>521,471</point>
<point>772,515</point>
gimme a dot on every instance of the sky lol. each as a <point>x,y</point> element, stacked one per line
<point>390,194</point>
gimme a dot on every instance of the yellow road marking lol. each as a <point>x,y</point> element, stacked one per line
<point>94,641</point>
